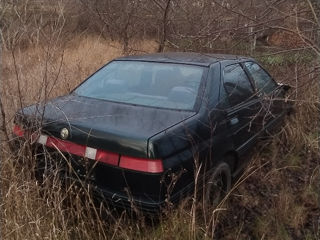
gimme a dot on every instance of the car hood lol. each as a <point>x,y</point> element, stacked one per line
<point>116,127</point>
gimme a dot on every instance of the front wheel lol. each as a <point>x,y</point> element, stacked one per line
<point>218,184</point>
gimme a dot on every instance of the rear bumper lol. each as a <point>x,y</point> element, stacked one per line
<point>123,201</point>
<point>118,187</point>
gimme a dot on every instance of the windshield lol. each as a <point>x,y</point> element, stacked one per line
<point>163,85</point>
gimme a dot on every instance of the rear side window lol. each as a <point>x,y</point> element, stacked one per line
<point>236,84</point>
<point>264,83</point>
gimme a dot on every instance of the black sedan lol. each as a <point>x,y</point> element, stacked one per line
<point>139,128</point>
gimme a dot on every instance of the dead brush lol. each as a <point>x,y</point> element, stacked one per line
<point>50,208</point>
<point>49,211</point>
<point>56,212</point>
<point>272,203</point>
<point>302,129</point>
<point>276,198</point>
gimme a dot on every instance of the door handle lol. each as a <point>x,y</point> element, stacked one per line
<point>234,121</point>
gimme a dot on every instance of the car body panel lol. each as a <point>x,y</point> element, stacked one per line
<point>183,140</point>
<point>242,119</point>
<point>200,59</point>
<point>115,127</point>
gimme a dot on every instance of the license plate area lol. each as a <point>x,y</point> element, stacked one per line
<point>53,163</point>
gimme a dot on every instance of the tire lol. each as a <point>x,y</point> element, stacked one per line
<point>218,184</point>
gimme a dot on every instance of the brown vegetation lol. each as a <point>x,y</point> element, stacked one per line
<point>48,49</point>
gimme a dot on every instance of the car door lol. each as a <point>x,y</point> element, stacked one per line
<point>269,93</point>
<point>241,106</point>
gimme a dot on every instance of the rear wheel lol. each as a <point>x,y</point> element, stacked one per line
<point>217,185</point>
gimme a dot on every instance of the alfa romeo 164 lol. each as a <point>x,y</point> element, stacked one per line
<point>139,128</point>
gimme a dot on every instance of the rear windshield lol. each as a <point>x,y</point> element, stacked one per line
<point>162,85</point>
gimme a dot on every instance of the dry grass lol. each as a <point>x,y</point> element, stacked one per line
<point>58,67</point>
<point>278,199</point>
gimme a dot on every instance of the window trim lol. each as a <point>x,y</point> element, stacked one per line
<point>253,82</point>
<point>229,105</point>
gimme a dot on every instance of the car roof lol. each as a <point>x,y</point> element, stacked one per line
<point>202,59</point>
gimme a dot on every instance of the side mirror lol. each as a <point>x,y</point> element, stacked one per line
<point>285,87</point>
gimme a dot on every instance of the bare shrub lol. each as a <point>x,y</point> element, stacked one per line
<point>47,49</point>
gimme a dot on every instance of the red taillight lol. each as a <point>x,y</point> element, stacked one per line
<point>79,150</point>
<point>107,157</point>
<point>66,146</point>
<point>138,164</point>
<point>141,164</point>
<point>18,131</point>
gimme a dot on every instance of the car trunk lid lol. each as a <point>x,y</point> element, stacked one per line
<point>115,127</point>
